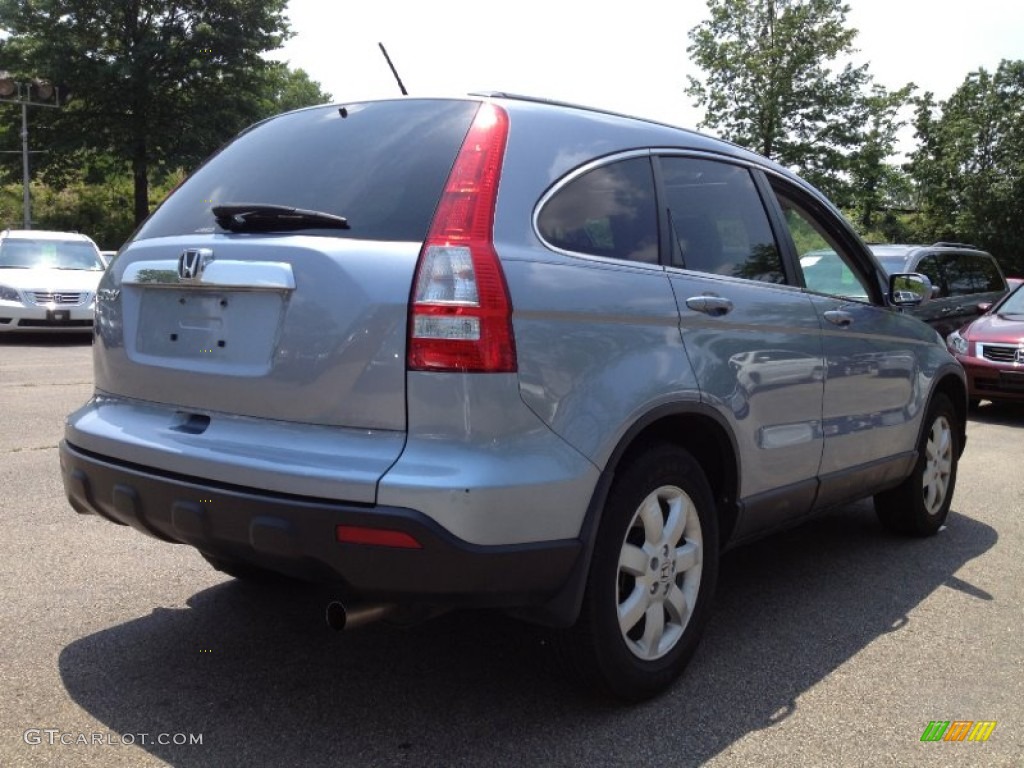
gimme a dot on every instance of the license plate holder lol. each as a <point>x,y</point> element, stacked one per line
<point>58,315</point>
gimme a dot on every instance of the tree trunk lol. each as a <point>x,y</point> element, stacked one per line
<point>140,171</point>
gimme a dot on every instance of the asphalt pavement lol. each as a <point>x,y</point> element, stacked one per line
<point>833,644</point>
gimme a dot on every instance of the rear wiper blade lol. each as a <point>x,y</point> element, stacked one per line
<point>262,217</point>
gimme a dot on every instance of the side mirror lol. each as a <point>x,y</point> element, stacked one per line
<point>984,307</point>
<point>909,289</point>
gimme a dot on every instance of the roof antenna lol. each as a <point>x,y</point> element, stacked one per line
<point>393,70</point>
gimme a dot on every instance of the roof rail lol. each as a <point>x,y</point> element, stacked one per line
<point>944,244</point>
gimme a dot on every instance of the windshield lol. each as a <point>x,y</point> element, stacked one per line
<point>825,272</point>
<point>26,253</point>
<point>1012,304</point>
<point>891,263</point>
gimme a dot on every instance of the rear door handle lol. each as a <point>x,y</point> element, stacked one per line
<point>716,306</point>
<point>839,317</point>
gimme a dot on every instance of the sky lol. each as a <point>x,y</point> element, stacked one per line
<point>631,59</point>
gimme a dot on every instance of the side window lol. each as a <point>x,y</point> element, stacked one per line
<point>969,273</point>
<point>931,267</point>
<point>717,222</point>
<point>825,266</point>
<point>993,277</point>
<point>608,211</point>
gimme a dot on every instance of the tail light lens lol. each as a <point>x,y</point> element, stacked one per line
<point>460,316</point>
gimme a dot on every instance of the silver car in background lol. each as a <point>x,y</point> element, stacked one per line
<point>48,281</point>
<point>493,351</point>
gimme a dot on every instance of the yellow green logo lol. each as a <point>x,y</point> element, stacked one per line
<point>958,730</point>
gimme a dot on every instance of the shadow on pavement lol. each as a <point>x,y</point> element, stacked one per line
<point>266,683</point>
<point>49,339</point>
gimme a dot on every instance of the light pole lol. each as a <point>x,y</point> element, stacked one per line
<point>35,93</point>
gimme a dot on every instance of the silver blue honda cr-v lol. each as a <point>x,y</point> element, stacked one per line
<point>493,351</point>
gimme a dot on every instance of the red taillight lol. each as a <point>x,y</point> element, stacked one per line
<point>381,537</point>
<point>460,315</point>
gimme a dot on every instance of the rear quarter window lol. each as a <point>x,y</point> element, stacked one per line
<point>607,211</point>
<point>382,166</point>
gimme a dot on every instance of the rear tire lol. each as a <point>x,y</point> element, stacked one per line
<point>652,577</point>
<point>919,506</point>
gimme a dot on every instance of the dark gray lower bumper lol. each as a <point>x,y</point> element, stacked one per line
<point>296,536</point>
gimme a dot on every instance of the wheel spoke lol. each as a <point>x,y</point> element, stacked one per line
<point>654,525</point>
<point>943,466</point>
<point>675,603</point>
<point>687,556</point>
<point>654,628</point>
<point>633,560</point>
<point>678,510</point>
<point>632,609</point>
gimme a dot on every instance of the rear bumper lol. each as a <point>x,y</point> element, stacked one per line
<point>296,536</point>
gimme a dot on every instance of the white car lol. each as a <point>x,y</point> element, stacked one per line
<point>48,280</point>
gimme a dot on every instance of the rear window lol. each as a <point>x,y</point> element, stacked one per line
<point>382,166</point>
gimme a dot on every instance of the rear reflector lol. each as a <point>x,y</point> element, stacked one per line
<point>460,316</point>
<point>381,537</point>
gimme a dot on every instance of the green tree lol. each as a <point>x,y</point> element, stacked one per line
<point>878,188</point>
<point>157,84</point>
<point>772,82</point>
<point>969,164</point>
<point>292,89</point>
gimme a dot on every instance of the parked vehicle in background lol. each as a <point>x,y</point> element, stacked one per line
<point>991,350</point>
<point>1013,282</point>
<point>962,276</point>
<point>108,256</point>
<point>47,280</point>
<point>771,367</point>
<point>500,352</point>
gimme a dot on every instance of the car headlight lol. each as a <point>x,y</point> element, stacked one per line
<point>957,343</point>
<point>9,294</point>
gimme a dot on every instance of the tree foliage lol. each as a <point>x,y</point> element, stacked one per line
<point>770,83</point>
<point>100,208</point>
<point>154,85</point>
<point>878,188</point>
<point>969,164</point>
<point>291,89</point>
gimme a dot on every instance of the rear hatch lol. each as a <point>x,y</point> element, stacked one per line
<point>228,302</point>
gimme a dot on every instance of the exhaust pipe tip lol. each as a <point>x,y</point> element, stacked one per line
<point>339,617</point>
<point>336,616</point>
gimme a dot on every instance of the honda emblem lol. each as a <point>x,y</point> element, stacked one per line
<point>192,262</point>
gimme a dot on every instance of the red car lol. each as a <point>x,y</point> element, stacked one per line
<point>991,349</point>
